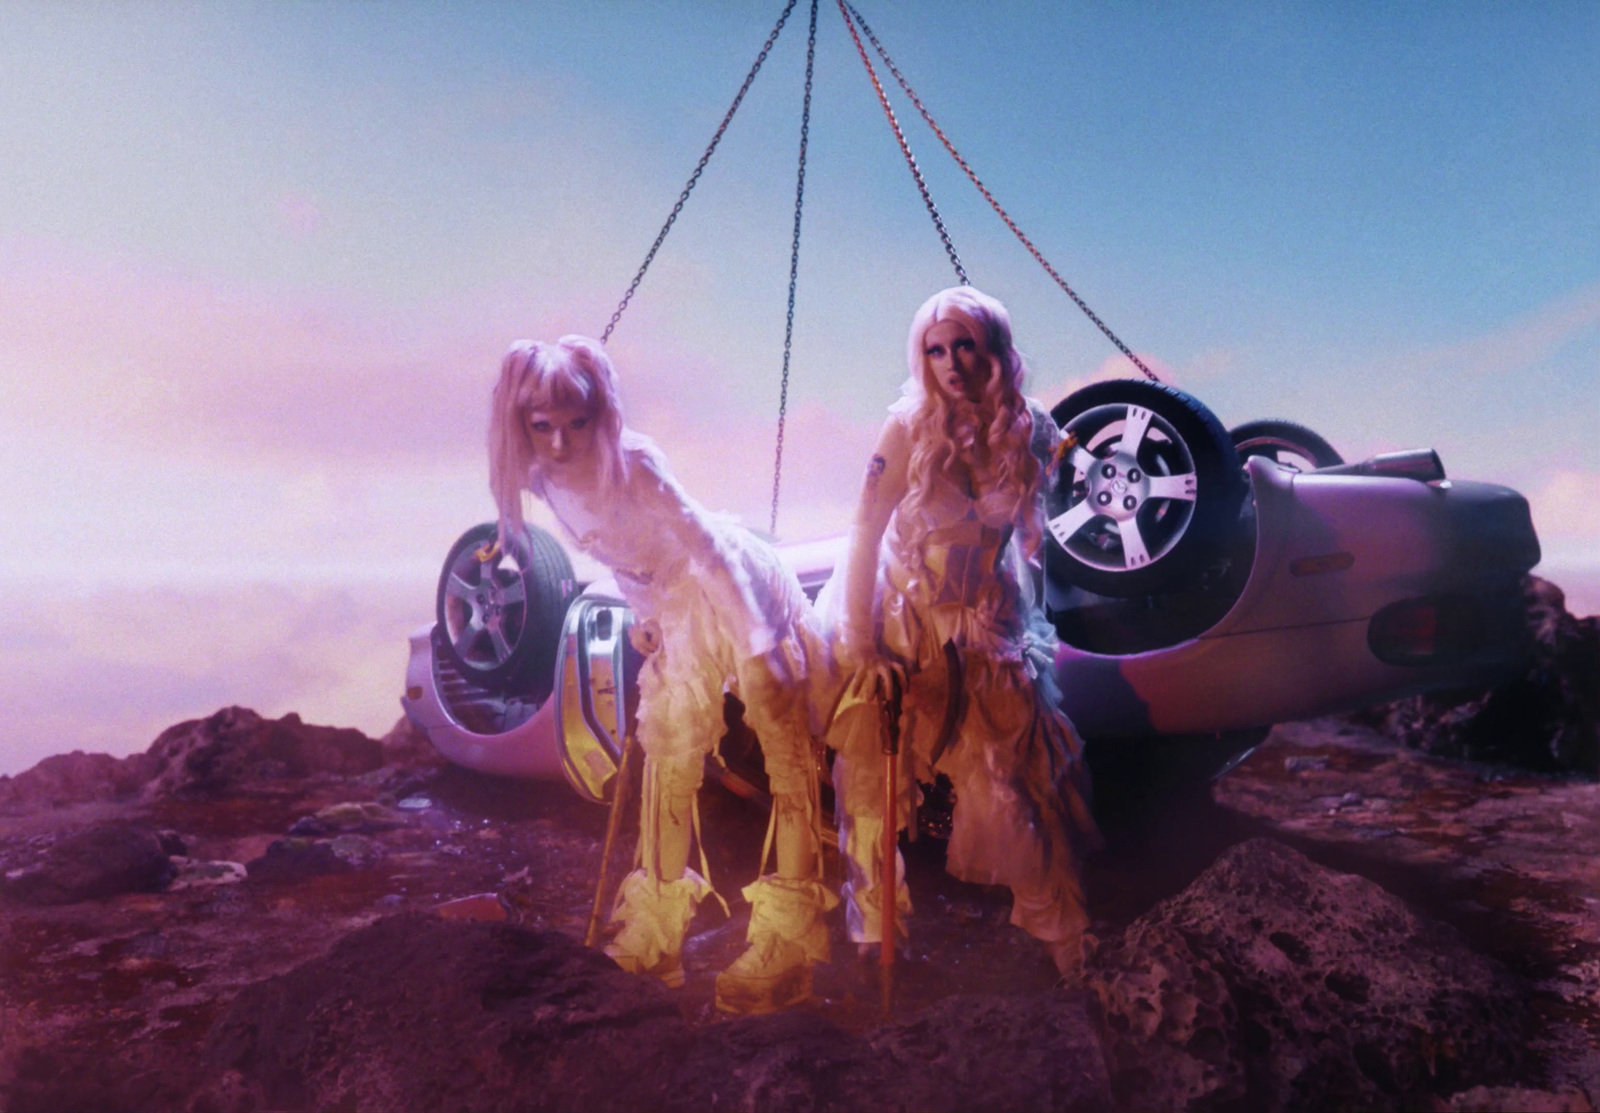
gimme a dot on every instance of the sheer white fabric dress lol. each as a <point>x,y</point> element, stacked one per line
<point>947,577</point>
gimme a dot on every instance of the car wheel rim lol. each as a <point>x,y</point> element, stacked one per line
<point>1133,489</point>
<point>484,606</point>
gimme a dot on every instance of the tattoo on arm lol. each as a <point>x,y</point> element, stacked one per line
<point>875,470</point>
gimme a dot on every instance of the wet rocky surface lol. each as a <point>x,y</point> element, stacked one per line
<point>1505,856</point>
<point>260,914</point>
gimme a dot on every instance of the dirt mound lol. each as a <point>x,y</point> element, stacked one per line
<point>419,1012</point>
<point>998,1052</point>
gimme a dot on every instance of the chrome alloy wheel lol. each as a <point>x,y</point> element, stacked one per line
<point>1133,490</point>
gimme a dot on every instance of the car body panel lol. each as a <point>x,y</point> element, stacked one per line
<point>1296,645</point>
<point>511,748</point>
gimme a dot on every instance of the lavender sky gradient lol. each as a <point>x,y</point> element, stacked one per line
<point>258,263</point>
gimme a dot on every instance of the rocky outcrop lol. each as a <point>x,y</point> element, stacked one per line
<point>1268,983</point>
<point>210,756</point>
<point>407,745</point>
<point>205,757</point>
<point>77,778</point>
<point>1273,983</point>
<point>1545,719</point>
<point>100,862</point>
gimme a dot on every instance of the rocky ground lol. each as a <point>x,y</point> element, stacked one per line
<point>261,914</point>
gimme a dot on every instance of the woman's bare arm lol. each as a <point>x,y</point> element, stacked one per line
<point>882,488</point>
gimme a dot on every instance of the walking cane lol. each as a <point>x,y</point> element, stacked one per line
<point>888,881</point>
<point>619,795</point>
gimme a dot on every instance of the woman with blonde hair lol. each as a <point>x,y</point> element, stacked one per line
<point>714,612</point>
<point>935,592</point>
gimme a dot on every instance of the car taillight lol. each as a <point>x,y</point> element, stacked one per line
<point>1433,629</point>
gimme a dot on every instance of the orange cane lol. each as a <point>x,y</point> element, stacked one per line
<point>888,881</point>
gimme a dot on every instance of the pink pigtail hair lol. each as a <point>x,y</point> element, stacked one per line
<point>574,371</point>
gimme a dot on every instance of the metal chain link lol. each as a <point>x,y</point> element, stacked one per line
<point>699,168</point>
<point>794,264</point>
<point>905,147</point>
<point>905,86</point>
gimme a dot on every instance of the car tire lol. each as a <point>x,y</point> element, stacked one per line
<point>1284,442</point>
<point>500,619</point>
<point>1153,519</point>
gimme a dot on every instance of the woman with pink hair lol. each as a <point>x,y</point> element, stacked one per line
<point>714,612</point>
<point>935,592</point>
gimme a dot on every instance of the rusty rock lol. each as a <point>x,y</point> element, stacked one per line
<point>1278,984</point>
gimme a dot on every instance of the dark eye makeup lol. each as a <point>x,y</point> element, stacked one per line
<point>544,425</point>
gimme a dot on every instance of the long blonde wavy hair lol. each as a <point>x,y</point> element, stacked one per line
<point>991,437</point>
<point>574,371</point>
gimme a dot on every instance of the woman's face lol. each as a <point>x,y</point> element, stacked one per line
<point>561,436</point>
<point>959,366</point>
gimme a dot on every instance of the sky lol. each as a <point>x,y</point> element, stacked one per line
<point>258,263</point>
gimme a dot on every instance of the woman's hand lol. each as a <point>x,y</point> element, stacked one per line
<point>874,675</point>
<point>645,636</point>
<point>1062,450</point>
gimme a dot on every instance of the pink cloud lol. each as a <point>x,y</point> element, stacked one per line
<point>1520,344</point>
<point>1566,514</point>
<point>729,467</point>
<point>1566,509</point>
<point>126,355</point>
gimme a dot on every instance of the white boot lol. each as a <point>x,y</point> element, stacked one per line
<point>787,937</point>
<point>654,915</point>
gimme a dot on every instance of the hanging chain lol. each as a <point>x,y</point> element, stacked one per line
<point>905,148</point>
<point>987,196</point>
<point>794,264</point>
<point>699,168</point>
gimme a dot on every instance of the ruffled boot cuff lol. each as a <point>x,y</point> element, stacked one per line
<point>1060,922</point>
<point>654,915</point>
